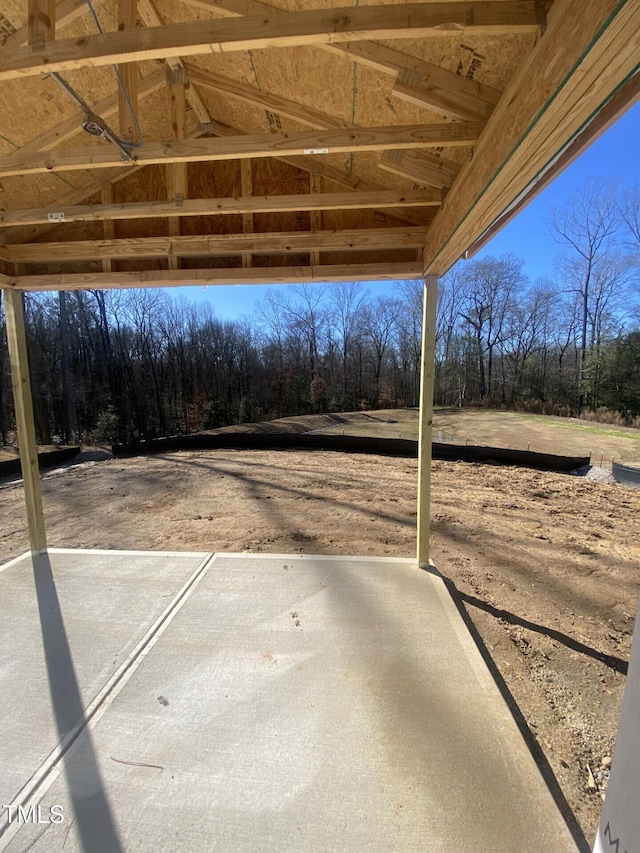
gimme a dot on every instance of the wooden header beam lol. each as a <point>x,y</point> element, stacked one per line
<point>205,277</point>
<point>587,53</point>
<point>217,245</point>
<point>287,29</point>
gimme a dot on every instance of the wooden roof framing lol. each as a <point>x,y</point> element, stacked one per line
<point>303,141</point>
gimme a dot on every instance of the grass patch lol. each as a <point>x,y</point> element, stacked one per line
<point>631,433</point>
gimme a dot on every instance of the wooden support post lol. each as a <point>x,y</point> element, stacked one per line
<point>425,436</point>
<point>16,339</point>
<point>177,172</point>
<point>127,16</point>
<point>246,190</point>
<point>315,215</point>
<point>41,23</point>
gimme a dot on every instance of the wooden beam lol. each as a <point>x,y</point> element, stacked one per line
<point>108,225</point>
<point>67,11</point>
<point>176,173</point>
<point>216,245</point>
<point>588,52</point>
<point>150,17</point>
<point>425,433</point>
<point>25,226</point>
<point>17,342</point>
<point>620,102</point>
<point>41,23</point>
<point>246,190</point>
<point>237,148</point>
<point>377,199</point>
<point>421,166</point>
<point>420,82</point>
<point>447,93</point>
<point>288,29</point>
<point>185,278</point>
<point>128,93</point>
<point>264,100</point>
<point>73,126</point>
<point>315,187</point>
<point>72,198</point>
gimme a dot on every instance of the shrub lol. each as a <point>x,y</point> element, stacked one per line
<point>107,426</point>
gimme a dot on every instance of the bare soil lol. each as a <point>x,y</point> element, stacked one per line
<point>545,565</point>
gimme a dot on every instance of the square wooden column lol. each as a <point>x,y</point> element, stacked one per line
<point>425,434</point>
<point>17,342</point>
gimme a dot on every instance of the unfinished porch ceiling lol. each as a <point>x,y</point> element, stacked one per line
<point>289,142</point>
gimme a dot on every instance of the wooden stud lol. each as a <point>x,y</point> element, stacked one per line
<point>176,173</point>
<point>66,12</point>
<point>127,17</point>
<point>109,226</point>
<point>150,17</point>
<point>246,187</point>
<point>315,215</point>
<point>41,23</point>
<point>425,436</point>
<point>16,339</point>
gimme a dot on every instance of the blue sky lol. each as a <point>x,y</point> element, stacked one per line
<point>615,154</point>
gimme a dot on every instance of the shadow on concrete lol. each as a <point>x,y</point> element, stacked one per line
<point>539,757</point>
<point>92,813</point>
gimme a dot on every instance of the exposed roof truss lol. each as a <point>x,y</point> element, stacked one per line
<point>369,141</point>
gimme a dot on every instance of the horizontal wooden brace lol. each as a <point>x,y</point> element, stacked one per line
<point>315,142</point>
<point>287,29</point>
<point>224,206</point>
<point>205,277</point>
<point>216,245</point>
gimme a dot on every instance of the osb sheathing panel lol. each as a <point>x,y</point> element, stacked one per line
<point>327,82</point>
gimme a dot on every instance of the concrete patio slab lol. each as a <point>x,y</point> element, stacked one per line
<point>95,605</point>
<point>300,703</point>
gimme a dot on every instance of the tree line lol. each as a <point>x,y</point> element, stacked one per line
<point>139,364</point>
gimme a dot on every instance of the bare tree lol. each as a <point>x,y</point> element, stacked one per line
<point>346,300</point>
<point>586,225</point>
<point>490,286</point>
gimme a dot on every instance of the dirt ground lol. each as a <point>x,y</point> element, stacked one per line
<point>545,565</point>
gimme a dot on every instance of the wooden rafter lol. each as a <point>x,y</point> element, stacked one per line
<point>237,148</point>
<point>289,29</point>
<point>217,245</point>
<point>21,229</point>
<point>264,100</point>
<point>419,162</point>
<point>377,199</point>
<point>588,52</point>
<point>421,166</point>
<point>418,82</point>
